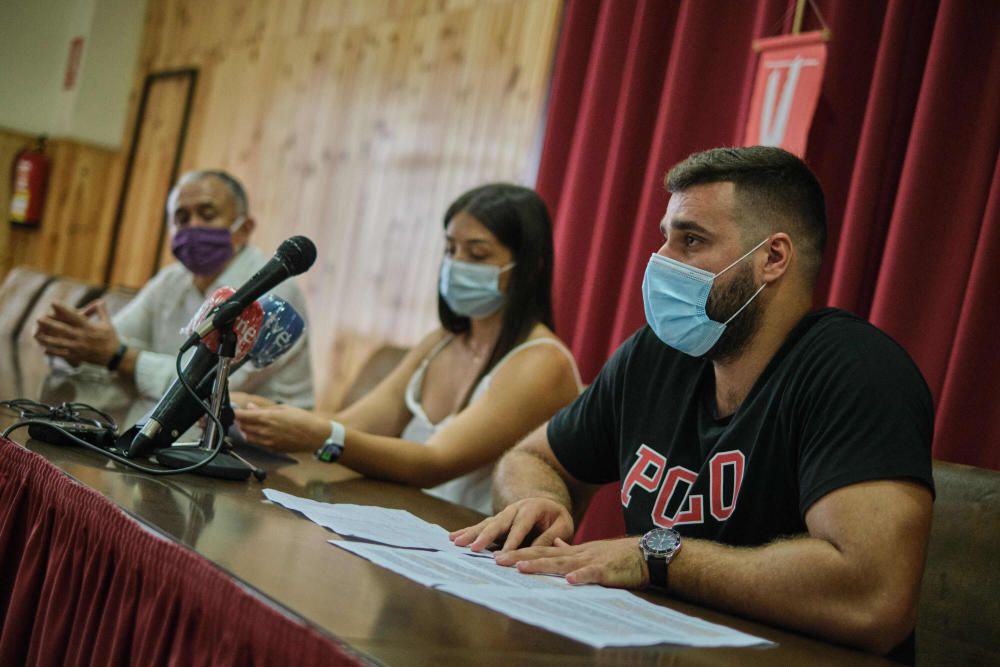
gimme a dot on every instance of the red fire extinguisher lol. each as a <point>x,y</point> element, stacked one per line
<point>29,178</point>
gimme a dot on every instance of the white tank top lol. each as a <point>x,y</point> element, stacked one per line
<point>473,489</point>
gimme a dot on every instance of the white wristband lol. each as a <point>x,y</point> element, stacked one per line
<point>333,446</point>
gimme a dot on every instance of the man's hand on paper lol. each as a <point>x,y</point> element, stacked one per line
<point>547,518</point>
<point>613,563</point>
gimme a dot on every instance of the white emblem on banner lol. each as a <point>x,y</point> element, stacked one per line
<point>774,122</point>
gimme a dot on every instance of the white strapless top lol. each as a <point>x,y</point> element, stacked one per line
<point>473,489</point>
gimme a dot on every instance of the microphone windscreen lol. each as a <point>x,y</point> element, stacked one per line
<point>247,329</point>
<point>246,326</point>
<point>281,329</point>
<point>297,253</point>
<point>217,297</point>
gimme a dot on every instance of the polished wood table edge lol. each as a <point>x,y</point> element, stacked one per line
<point>246,586</point>
<point>517,643</point>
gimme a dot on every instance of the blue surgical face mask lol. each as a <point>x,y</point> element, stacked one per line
<point>674,295</point>
<point>472,290</point>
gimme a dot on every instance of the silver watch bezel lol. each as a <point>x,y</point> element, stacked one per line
<point>663,554</point>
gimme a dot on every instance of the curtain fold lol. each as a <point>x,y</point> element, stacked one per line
<point>943,191</point>
<point>855,258</point>
<point>82,583</point>
<point>904,140</point>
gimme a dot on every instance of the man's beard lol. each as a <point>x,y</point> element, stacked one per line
<point>725,300</point>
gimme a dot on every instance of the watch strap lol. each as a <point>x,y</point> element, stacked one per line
<point>116,358</point>
<point>333,447</point>
<point>657,571</point>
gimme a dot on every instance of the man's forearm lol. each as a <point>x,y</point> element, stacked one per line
<point>804,583</point>
<point>126,368</point>
<point>522,474</point>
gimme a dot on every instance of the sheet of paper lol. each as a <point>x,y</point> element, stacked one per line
<point>439,568</point>
<point>592,615</point>
<point>602,617</point>
<point>376,524</point>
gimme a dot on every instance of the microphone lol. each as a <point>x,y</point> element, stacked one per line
<point>177,410</point>
<point>293,256</point>
<point>281,329</point>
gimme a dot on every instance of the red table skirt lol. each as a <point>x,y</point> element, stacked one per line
<point>82,583</point>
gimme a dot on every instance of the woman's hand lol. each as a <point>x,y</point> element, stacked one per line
<point>239,399</point>
<point>282,427</point>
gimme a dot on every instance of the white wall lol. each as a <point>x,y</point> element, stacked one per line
<point>35,37</point>
<point>33,49</point>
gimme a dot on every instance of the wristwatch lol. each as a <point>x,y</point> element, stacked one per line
<point>116,358</point>
<point>659,546</point>
<point>333,446</point>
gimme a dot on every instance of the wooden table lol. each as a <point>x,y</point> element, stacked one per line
<point>377,612</point>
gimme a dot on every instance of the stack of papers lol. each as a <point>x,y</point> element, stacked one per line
<point>421,551</point>
<point>398,528</point>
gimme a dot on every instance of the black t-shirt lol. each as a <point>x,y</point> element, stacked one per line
<point>840,403</point>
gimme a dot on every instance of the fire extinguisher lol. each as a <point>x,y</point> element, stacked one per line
<point>29,178</point>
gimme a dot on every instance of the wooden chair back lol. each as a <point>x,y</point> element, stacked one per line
<point>116,298</point>
<point>20,290</point>
<point>32,365</point>
<point>18,293</point>
<point>377,367</point>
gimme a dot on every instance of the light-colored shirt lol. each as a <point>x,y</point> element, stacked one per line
<point>153,320</point>
<point>473,489</point>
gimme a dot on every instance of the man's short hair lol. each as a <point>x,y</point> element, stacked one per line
<point>234,187</point>
<point>775,191</point>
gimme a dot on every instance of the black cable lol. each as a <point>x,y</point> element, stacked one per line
<point>70,412</point>
<point>105,452</point>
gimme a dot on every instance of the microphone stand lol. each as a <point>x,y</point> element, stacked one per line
<point>227,464</point>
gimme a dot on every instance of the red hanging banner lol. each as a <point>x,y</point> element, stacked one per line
<point>786,90</point>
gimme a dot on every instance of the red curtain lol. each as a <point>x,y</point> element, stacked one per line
<point>904,140</point>
<point>81,583</point>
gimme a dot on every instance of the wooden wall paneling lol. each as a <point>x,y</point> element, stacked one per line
<point>38,248</point>
<point>72,237</point>
<point>357,123</point>
<point>361,59</point>
<point>385,270</point>
<point>367,64</point>
<point>429,164</point>
<point>141,225</point>
<point>301,16</point>
<point>77,245</point>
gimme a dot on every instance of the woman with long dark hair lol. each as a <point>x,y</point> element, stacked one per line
<point>471,389</point>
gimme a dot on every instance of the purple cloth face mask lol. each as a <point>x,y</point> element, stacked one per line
<point>203,250</point>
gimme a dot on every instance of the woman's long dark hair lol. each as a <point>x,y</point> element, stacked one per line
<point>517,216</point>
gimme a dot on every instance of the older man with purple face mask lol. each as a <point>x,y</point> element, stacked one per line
<point>210,228</point>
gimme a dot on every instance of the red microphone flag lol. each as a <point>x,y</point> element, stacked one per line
<point>247,326</point>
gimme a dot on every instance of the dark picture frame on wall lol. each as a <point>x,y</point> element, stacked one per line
<point>149,87</point>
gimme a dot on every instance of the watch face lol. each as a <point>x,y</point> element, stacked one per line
<point>329,452</point>
<point>660,541</point>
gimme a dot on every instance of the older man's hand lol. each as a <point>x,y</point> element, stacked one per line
<point>84,335</point>
<point>613,563</point>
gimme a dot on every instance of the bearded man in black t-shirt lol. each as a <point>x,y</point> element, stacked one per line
<point>774,461</point>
